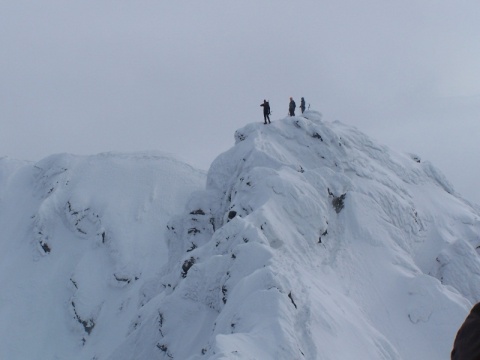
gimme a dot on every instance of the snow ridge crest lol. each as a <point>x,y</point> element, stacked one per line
<point>303,228</point>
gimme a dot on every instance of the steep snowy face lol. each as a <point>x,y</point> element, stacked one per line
<point>313,242</point>
<point>310,241</point>
<point>80,236</point>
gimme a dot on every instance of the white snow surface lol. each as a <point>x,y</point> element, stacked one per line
<point>306,240</point>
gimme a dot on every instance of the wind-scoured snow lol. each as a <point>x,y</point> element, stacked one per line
<point>309,241</point>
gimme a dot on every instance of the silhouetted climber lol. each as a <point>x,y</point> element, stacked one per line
<point>302,105</point>
<point>266,111</point>
<point>291,107</point>
<point>467,341</point>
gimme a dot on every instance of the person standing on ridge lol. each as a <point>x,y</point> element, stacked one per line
<point>302,105</point>
<point>266,111</point>
<point>291,107</point>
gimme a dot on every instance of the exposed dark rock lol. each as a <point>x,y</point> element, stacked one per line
<point>88,324</point>
<point>160,323</point>
<point>193,247</point>
<point>164,348</point>
<point>317,136</point>
<point>239,136</point>
<point>291,298</point>
<point>45,247</point>
<point>74,283</point>
<point>323,234</point>
<point>224,292</point>
<point>187,264</point>
<point>338,202</point>
<point>122,279</point>
<point>193,231</point>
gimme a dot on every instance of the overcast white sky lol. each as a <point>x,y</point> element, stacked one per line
<point>87,76</point>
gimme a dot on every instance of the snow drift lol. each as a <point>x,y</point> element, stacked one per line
<point>309,241</point>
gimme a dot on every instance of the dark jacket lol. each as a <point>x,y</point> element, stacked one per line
<point>467,341</point>
<point>266,108</point>
<point>292,105</point>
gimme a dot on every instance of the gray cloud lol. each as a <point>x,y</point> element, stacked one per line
<point>87,77</point>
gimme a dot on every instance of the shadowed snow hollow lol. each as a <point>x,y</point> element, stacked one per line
<point>310,241</point>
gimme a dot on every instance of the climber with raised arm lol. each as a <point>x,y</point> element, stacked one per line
<point>266,111</point>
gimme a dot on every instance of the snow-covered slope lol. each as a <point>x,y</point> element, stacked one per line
<point>79,238</point>
<point>310,241</point>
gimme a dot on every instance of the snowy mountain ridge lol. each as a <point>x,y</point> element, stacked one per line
<point>309,241</point>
